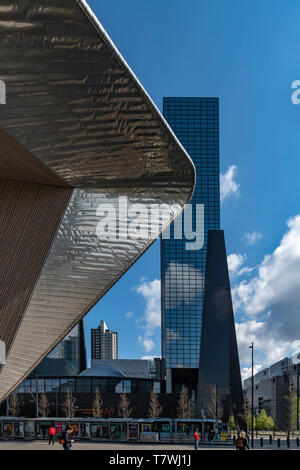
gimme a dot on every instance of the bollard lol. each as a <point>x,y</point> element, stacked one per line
<point>297,442</point>
<point>270,439</point>
<point>261,442</point>
<point>233,440</point>
<point>288,442</point>
<point>278,442</point>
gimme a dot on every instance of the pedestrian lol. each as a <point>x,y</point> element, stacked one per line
<point>211,437</point>
<point>51,434</point>
<point>242,442</point>
<point>66,439</point>
<point>196,439</point>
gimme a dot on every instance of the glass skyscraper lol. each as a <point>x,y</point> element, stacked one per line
<point>68,358</point>
<point>195,121</point>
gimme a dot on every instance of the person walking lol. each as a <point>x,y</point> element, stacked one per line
<point>242,442</point>
<point>196,439</point>
<point>211,437</point>
<point>51,434</point>
<point>66,439</point>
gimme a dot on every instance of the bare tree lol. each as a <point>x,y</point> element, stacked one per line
<point>68,405</point>
<point>97,406</point>
<point>155,409</point>
<point>124,406</point>
<point>212,403</point>
<point>44,406</point>
<point>220,408</point>
<point>183,404</point>
<point>214,407</point>
<point>14,405</point>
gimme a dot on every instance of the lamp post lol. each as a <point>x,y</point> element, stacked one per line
<point>298,396</point>
<point>252,395</point>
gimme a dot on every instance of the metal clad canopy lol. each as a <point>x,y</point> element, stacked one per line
<point>75,108</point>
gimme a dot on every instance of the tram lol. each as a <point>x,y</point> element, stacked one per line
<point>110,429</point>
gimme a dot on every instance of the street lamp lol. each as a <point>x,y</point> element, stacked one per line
<point>252,394</point>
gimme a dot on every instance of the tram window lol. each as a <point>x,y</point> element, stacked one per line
<point>164,427</point>
<point>99,430</point>
<point>147,427</point>
<point>118,430</point>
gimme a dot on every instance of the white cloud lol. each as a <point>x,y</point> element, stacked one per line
<point>235,261</point>
<point>273,295</point>
<point>245,270</point>
<point>150,290</point>
<point>247,371</point>
<point>146,341</point>
<point>151,319</point>
<point>129,314</point>
<point>268,346</point>
<point>228,185</point>
<point>251,238</point>
<point>185,290</point>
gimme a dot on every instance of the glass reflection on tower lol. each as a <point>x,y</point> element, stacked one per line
<point>195,121</point>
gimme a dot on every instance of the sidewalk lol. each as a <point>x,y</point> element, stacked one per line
<point>118,446</point>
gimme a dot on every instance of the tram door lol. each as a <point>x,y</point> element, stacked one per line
<point>133,431</point>
<point>85,431</point>
<point>18,429</point>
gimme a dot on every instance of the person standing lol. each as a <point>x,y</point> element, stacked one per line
<point>196,439</point>
<point>51,434</point>
<point>66,438</point>
<point>211,437</point>
<point>242,442</point>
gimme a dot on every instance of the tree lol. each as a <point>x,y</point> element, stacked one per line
<point>231,423</point>
<point>270,423</point>
<point>249,421</point>
<point>124,406</point>
<point>68,405</point>
<point>14,404</point>
<point>44,407</point>
<point>155,409</point>
<point>262,421</point>
<point>97,406</point>
<point>184,404</point>
<point>294,413</point>
<point>214,407</point>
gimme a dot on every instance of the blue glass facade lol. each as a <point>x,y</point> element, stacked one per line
<point>195,122</point>
<point>68,358</point>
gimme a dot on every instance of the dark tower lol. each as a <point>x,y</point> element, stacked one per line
<point>219,377</point>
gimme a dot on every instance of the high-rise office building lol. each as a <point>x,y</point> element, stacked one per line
<point>198,335</point>
<point>195,122</point>
<point>68,358</point>
<point>104,343</point>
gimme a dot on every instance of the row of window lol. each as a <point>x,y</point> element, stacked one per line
<point>87,385</point>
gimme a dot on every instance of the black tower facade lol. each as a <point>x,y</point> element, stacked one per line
<point>219,376</point>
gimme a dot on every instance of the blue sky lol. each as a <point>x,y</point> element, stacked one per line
<point>247,53</point>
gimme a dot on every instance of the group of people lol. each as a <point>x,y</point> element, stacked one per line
<point>242,442</point>
<point>65,438</point>
<point>211,438</point>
